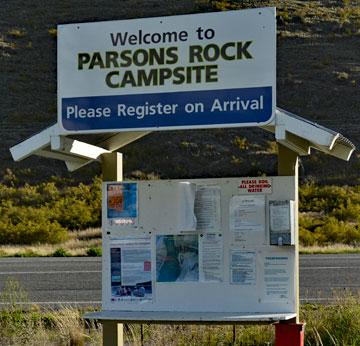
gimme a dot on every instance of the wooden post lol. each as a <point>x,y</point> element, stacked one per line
<point>288,165</point>
<point>288,162</point>
<point>112,166</point>
<point>112,170</point>
<point>113,333</point>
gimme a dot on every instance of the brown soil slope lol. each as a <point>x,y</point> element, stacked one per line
<point>318,76</point>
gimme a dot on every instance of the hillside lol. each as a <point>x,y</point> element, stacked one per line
<point>318,77</point>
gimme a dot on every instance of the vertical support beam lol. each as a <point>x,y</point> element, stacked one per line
<point>113,333</point>
<point>112,170</point>
<point>288,162</point>
<point>288,165</point>
<point>112,166</point>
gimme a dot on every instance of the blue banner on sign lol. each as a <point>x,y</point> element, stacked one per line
<point>176,109</point>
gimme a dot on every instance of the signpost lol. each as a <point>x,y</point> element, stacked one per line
<point>184,72</point>
<point>170,247</point>
<point>219,250</point>
<point>193,71</point>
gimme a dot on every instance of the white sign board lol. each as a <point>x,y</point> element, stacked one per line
<point>158,263</point>
<point>191,71</point>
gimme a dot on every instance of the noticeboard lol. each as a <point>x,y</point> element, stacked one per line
<point>191,71</point>
<point>196,246</point>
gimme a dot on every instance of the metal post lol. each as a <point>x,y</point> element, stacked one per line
<point>112,170</point>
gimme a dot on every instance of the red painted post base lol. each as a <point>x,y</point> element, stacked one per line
<point>289,334</point>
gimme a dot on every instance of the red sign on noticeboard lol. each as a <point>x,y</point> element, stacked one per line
<point>255,185</point>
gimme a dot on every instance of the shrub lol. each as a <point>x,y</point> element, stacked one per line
<point>45,212</point>
<point>94,251</point>
<point>32,231</point>
<point>241,143</point>
<point>17,33</point>
<point>74,214</point>
<point>60,252</point>
<point>27,253</point>
<point>53,32</point>
<point>334,231</point>
<point>306,237</point>
<point>329,214</point>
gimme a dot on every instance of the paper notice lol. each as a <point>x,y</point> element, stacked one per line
<point>243,267</point>
<point>207,208</point>
<point>279,216</point>
<point>186,197</point>
<point>211,257</point>
<point>247,215</point>
<point>131,269</point>
<point>276,277</point>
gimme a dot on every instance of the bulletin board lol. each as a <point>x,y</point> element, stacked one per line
<point>200,245</point>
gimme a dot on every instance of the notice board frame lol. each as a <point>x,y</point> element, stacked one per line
<point>282,188</point>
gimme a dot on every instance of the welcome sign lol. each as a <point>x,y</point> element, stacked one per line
<point>192,71</point>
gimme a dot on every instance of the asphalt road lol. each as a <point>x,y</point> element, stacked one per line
<point>55,281</point>
<point>325,278</point>
<point>77,281</point>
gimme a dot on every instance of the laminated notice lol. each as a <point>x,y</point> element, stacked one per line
<point>131,279</point>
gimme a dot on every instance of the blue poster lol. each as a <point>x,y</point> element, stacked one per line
<point>177,258</point>
<point>122,201</point>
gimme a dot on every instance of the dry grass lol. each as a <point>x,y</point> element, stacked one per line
<point>81,241</point>
<point>209,335</point>
<point>77,245</point>
<point>34,326</point>
<point>70,328</point>
<point>329,249</point>
<point>51,328</point>
<point>336,324</point>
